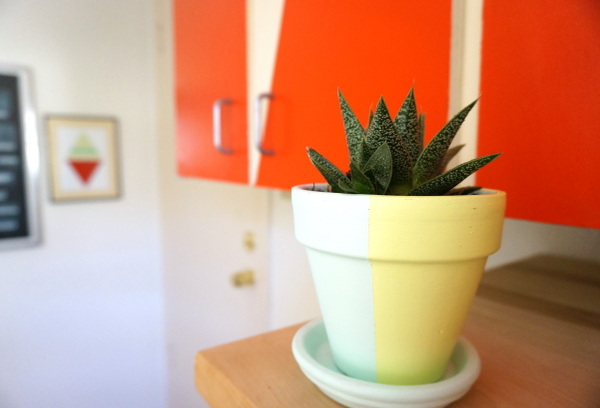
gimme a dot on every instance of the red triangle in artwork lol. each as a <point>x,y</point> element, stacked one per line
<point>84,168</point>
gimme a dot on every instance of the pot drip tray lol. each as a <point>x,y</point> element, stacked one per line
<point>313,354</point>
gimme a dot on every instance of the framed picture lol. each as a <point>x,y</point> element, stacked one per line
<point>83,157</point>
<point>19,160</point>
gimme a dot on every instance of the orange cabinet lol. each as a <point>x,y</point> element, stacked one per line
<point>366,49</point>
<point>538,90</point>
<point>211,89</point>
<point>540,82</point>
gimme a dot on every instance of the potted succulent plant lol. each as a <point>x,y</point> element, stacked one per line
<point>395,248</point>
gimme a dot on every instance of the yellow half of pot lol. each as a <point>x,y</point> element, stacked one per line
<point>426,265</point>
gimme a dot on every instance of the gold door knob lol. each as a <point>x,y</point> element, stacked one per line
<point>243,278</point>
<point>249,241</point>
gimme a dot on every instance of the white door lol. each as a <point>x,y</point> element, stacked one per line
<point>211,232</point>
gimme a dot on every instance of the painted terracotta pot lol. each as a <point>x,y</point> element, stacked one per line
<point>395,275</point>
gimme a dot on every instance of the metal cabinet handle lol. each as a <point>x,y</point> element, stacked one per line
<point>217,139</point>
<point>258,123</point>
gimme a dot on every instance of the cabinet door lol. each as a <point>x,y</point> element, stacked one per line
<point>366,49</point>
<point>210,65</point>
<point>540,83</point>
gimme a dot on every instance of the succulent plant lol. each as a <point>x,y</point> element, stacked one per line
<point>389,158</point>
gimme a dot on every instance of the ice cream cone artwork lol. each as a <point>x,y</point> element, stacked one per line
<point>84,158</point>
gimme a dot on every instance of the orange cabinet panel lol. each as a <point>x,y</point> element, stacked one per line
<point>366,49</point>
<point>210,64</point>
<point>540,85</point>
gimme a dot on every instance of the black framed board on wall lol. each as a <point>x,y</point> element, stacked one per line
<point>19,160</point>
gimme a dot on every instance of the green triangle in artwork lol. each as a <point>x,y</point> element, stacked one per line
<point>83,149</point>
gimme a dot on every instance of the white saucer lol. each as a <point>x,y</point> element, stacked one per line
<point>313,354</point>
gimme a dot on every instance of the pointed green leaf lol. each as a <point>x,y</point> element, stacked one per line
<point>463,190</point>
<point>450,154</point>
<point>380,165</point>
<point>360,182</point>
<point>441,184</point>
<point>421,132</point>
<point>354,130</point>
<point>430,158</point>
<point>382,130</point>
<point>407,123</point>
<point>343,188</point>
<point>334,176</point>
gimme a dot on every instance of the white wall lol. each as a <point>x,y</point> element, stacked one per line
<point>522,239</point>
<point>81,315</point>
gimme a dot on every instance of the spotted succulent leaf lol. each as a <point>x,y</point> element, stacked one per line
<point>360,182</point>
<point>450,154</point>
<point>443,183</point>
<point>463,190</point>
<point>334,176</point>
<point>380,166</point>
<point>421,131</point>
<point>355,133</point>
<point>430,158</point>
<point>383,130</point>
<point>407,123</point>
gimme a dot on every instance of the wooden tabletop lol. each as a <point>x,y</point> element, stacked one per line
<point>538,339</point>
